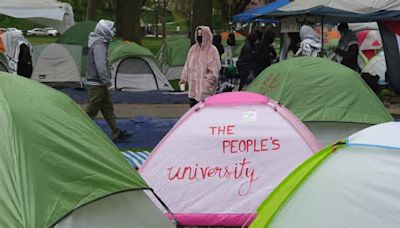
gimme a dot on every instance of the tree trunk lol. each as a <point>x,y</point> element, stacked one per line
<point>202,15</point>
<point>157,14</point>
<point>129,20</point>
<point>118,17</point>
<point>226,11</point>
<point>91,10</point>
<point>164,18</point>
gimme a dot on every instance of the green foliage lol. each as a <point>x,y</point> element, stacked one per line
<point>152,43</point>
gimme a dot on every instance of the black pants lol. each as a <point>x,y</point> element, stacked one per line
<point>100,100</point>
<point>192,102</point>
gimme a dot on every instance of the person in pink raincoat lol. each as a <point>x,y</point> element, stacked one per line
<point>202,67</point>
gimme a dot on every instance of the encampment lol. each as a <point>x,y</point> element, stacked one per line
<point>224,156</point>
<point>134,68</point>
<point>57,63</point>
<point>351,184</point>
<point>58,169</point>
<point>172,55</point>
<point>331,99</point>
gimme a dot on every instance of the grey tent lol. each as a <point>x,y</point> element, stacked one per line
<point>57,63</point>
<point>134,68</point>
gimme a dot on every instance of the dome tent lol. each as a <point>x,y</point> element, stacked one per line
<point>331,99</point>
<point>57,63</point>
<point>172,55</point>
<point>225,155</point>
<point>59,169</point>
<point>134,68</point>
<point>79,35</point>
<point>351,184</point>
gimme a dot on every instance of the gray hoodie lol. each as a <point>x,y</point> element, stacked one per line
<point>98,70</point>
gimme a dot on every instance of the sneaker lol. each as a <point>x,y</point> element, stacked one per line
<point>123,135</point>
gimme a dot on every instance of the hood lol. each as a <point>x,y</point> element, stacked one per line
<point>207,36</point>
<point>103,31</point>
<point>12,41</point>
<point>306,32</point>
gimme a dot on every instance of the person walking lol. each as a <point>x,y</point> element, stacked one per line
<point>202,67</point>
<point>98,78</point>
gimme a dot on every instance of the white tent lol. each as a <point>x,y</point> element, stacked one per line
<point>58,15</point>
<point>354,184</point>
<point>377,66</point>
<point>59,63</point>
<point>224,155</point>
<point>138,73</point>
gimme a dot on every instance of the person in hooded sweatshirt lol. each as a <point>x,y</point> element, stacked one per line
<point>245,63</point>
<point>18,52</point>
<point>202,67</point>
<point>264,53</point>
<point>98,78</point>
<point>347,49</point>
<point>310,44</point>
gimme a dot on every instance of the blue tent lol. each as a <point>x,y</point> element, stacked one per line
<point>250,15</point>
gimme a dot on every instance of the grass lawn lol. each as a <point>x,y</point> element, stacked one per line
<point>35,40</point>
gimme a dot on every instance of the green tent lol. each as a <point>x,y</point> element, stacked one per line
<point>120,49</point>
<point>3,63</point>
<point>58,168</point>
<point>172,55</point>
<point>134,68</point>
<point>78,34</point>
<point>351,184</point>
<point>321,93</point>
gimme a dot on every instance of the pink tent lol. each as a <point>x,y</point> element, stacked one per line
<point>224,156</point>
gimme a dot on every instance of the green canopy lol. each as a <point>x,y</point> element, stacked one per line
<point>317,89</point>
<point>78,34</point>
<point>54,159</point>
<point>173,51</point>
<point>119,49</point>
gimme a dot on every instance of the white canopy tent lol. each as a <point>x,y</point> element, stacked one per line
<point>354,6</point>
<point>52,13</point>
<point>385,12</point>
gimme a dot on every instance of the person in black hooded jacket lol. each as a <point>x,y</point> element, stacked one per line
<point>217,42</point>
<point>245,63</point>
<point>264,53</point>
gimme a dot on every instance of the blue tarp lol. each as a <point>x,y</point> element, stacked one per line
<point>335,15</point>
<point>125,97</point>
<point>250,15</point>
<point>147,131</point>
